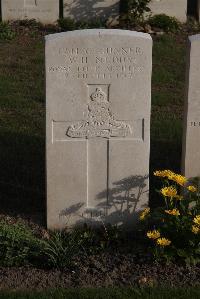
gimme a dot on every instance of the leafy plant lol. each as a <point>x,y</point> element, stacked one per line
<point>6,33</point>
<point>96,240</point>
<point>18,245</point>
<point>133,11</point>
<point>174,228</point>
<point>67,24</point>
<point>164,22</point>
<point>31,23</point>
<point>95,23</point>
<point>61,248</point>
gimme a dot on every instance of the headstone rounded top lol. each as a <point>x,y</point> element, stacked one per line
<point>195,37</point>
<point>100,32</point>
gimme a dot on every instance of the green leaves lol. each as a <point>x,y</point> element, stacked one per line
<point>61,248</point>
<point>133,11</point>
<point>6,33</point>
<point>164,22</point>
<point>18,245</point>
<point>177,221</point>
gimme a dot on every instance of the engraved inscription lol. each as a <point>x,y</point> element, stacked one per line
<point>30,6</point>
<point>89,51</point>
<point>195,123</point>
<point>100,63</point>
<point>32,9</point>
<point>100,121</point>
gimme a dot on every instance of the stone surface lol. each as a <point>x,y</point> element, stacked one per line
<point>198,10</point>
<point>44,11</point>
<point>98,90</point>
<point>191,135</point>
<point>90,9</point>
<point>173,8</point>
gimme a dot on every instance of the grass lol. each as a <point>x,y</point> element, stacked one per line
<point>168,87</point>
<point>107,293</point>
<point>22,125</point>
<point>22,117</point>
<point>168,72</point>
<point>22,135</point>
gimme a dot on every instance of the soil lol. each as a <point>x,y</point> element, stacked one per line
<point>104,270</point>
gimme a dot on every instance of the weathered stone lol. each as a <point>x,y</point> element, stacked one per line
<point>91,9</point>
<point>198,10</point>
<point>173,8</point>
<point>98,90</point>
<point>44,11</point>
<point>191,135</point>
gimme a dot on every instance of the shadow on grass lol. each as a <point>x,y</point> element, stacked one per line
<point>165,154</point>
<point>22,176</point>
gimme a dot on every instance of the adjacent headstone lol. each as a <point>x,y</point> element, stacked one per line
<point>191,136</point>
<point>90,9</point>
<point>173,8</point>
<point>198,10</point>
<point>44,11</point>
<point>98,91</point>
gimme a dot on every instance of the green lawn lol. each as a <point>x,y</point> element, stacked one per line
<point>22,122</point>
<point>111,293</point>
<point>22,118</point>
<point>22,135</point>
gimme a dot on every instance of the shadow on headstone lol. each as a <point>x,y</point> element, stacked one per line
<point>90,9</point>
<point>120,208</point>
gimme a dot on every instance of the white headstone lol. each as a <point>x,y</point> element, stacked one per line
<point>98,99</point>
<point>44,11</point>
<point>90,9</point>
<point>198,10</point>
<point>173,8</point>
<point>191,136</point>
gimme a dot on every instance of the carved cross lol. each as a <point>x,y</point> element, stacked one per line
<point>98,128</point>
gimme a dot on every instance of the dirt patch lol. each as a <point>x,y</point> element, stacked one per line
<point>101,271</point>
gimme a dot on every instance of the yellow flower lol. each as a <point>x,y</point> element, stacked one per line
<point>163,242</point>
<point>169,191</point>
<point>195,229</point>
<point>163,173</point>
<point>154,234</point>
<point>174,212</point>
<point>144,213</point>
<point>179,179</point>
<point>192,188</point>
<point>196,220</point>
